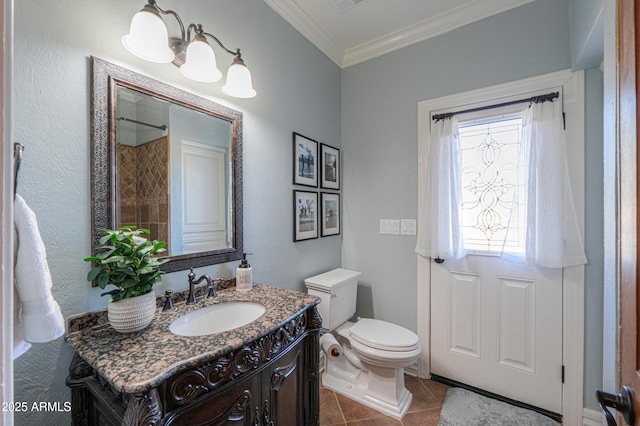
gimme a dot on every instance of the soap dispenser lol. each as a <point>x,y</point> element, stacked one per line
<point>244,275</point>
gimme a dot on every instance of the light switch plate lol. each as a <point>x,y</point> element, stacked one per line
<point>408,226</point>
<point>390,226</point>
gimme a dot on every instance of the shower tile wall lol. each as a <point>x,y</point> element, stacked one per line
<point>144,187</point>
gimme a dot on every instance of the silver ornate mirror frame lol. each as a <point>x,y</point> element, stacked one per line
<point>106,77</point>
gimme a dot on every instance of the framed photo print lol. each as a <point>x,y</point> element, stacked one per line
<point>305,161</point>
<point>305,215</point>
<point>330,203</point>
<point>330,166</point>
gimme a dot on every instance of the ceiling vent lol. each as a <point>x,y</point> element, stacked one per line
<point>344,5</point>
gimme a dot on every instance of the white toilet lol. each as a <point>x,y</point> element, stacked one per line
<point>370,368</point>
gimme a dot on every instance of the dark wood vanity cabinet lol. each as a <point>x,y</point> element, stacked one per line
<point>272,381</point>
<point>279,394</point>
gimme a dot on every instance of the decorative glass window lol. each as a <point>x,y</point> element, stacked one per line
<point>492,184</point>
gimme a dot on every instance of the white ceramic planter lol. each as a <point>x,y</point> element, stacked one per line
<point>132,314</point>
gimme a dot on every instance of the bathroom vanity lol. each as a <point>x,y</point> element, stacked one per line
<point>263,373</point>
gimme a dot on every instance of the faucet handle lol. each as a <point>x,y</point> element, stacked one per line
<point>212,291</point>
<point>191,298</point>
<point>168,303</point>
<point>213,287</point>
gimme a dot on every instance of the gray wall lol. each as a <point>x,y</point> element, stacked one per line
<point>298,90</point>
<point>586,18</point>
<point>379,134</point>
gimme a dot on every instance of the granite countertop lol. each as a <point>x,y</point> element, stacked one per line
<point>137,362</point>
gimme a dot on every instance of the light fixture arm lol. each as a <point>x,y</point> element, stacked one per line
<point>169,12</point>
<point>236,53</point>
<point>199,31</point>
<point>185,36</point>
<point>197,28</point>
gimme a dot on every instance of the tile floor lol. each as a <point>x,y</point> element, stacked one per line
<point>428,396</point>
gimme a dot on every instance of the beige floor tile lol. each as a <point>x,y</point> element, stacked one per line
<point>338,410</point>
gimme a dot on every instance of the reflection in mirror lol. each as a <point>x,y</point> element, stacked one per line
<point>168,161</point>
<point>175,163</point>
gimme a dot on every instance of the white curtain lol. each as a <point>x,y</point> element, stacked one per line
<point>552,236</point>
<point>440,227</point>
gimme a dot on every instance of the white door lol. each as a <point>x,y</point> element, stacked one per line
<point>497,326</point>
<point>204,220</point>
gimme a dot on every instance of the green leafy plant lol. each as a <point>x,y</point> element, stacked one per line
<point>127,260</point>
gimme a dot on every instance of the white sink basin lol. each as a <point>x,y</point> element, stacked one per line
<point>217,318</point>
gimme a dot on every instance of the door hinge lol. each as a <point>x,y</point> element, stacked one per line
<point>563,374</point>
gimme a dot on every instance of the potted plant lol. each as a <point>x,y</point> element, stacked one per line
<point>128,261</point>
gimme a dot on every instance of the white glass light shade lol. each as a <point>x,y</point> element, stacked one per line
<point>200,63</point>
<point>148,38</point>
<point>239,83</point>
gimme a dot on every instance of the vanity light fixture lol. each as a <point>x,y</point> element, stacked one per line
<point>148,39</point>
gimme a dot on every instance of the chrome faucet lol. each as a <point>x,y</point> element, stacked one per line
<point>191,299</point>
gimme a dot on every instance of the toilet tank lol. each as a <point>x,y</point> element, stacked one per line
<point>337,289</point>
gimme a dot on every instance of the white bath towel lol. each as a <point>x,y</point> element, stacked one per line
<point>20,345</point>
<point>40,318</point>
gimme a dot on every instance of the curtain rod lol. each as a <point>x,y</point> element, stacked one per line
<point>163,127</point>
<point>531,100</point>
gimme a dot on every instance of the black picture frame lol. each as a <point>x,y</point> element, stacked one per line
<point>305,161</point>
<point>305,215</point>
<point>330,167</point>
<point>331,214</point>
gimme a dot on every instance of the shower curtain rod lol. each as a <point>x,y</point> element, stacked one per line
<point>163,127</point>
<point>533,99</point>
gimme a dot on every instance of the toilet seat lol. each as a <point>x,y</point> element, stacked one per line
<point>384,335</point>
<point>384,344</point>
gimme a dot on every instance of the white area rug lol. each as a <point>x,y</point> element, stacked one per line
<point>465,408</point>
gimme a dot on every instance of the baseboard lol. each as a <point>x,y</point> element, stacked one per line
<point>592,417</point>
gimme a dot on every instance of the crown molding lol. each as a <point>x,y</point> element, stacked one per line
<point>428,28</point>
<point>305,25</point>
<point>431,27</point>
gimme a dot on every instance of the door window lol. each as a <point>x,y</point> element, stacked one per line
<point>493,184</point>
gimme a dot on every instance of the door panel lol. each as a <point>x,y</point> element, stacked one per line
<point>516,323</point>
<point>497,326</point>
<point>464,304</point>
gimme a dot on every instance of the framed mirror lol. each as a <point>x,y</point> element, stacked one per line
<point>166,160</point>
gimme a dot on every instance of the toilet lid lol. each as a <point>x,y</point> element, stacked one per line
<point>383,335</point>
